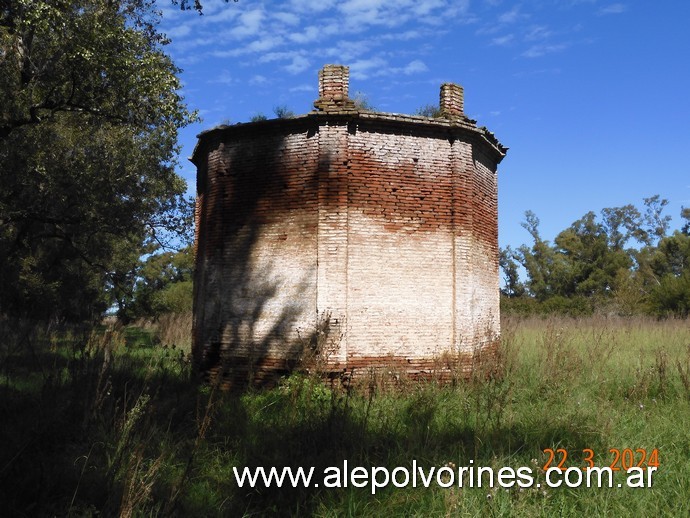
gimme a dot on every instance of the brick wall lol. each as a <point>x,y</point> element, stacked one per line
<point>384,225</point>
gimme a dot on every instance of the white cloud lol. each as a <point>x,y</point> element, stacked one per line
<point>503,40</point>
<point>249,24</point>
<point>299,64</point>
<point>537,32</point>
<point>256,46</point>
<point>361,68</point>
<point>224,78</point>
<point>613,9</point>
<point>303,88</point>
<point>377,66</point>
<point>178,31</point>
<point>425,7</point>
<point>311,6</point>
<point>511,16</point>
<point>309,34</point>
<point>297,33</point>
<point>286,18</point>
<point>360,13</point>
<point>279,56</point>
<point>403,36</point>
<point>185,45</point>
<point>258,79</point>
<point>215,13</point>
<point>415,67</point>
<point>540,71</point>
<point>264,44</point>
<point>536,51</point>
<point>347,51</point>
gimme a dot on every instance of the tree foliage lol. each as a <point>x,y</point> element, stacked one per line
<point>623,259</point>
<point>428,110</point>
<point>161,283</point>
<point>89,115</point>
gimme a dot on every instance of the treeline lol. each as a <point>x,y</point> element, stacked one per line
<point>624,260</point>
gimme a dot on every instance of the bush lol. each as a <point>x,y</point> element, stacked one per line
<point>672,296</point>
<point>557,305</point>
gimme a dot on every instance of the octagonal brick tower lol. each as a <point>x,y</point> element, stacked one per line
<point>369,236</point>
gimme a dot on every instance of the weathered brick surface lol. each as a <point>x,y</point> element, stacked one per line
<point>381,226</point>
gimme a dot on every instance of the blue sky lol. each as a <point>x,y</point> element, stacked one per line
<point>592,97</point>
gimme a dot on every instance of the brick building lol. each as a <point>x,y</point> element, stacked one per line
<point>373,235</point>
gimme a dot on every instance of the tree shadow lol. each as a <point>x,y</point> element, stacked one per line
<point>255,280</point>
<point>82,431</point>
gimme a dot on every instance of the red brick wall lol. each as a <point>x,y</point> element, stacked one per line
<point>385,225</point>
<point>256,247</point>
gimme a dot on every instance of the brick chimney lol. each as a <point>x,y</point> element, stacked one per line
<point>452,101</point>
<point>334,83</point>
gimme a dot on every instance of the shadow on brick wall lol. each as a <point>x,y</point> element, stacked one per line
<point>254,313</point>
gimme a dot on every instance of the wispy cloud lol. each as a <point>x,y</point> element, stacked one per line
<point>297,65</point>
<point>178,31</point>
<point>503,40</point>
<point>250,24</point>
<point>303,88</point>
<point>540,71</point>
<point>537,32</point>
<point>286,18</point>
<point>258,79</point>
<point>362,68</point>
<point>612,9</point>
<point>292,35</point>
<point>536,51</point>
<point>298,25</point>
<point>263,44</point>
<point>349,50</point>
<point>414,67</point>
<point>224,78</point>
<point>311,6</point>
<point>512,16</point>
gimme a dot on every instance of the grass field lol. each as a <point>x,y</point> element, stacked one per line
<point>111,423</point>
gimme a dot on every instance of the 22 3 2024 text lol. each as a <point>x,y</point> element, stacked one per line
<point>621,459</point>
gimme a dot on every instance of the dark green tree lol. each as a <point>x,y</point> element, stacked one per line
<point>622,224</point>
<point>161,283</point>
<point>670,262</point>
<point>685,214</point>
<point>508,261</point>
<point>89,114</point>
<point>591,264</point>
<point>654,222</point>
<point>545,268</point>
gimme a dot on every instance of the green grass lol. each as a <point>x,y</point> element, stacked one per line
<point>113,423</point>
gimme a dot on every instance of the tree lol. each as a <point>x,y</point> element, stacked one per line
<point>362,102</point>
<point>685,214</point>
<point>507,260</point>
<point>622,224</point>
<point>89,115</point>
<point>672,296</point>
<point>655,222</point>
<point>428,110</point>
<point>283,112</point>
<point>161,283</point>
<point>592,265</point>
<point>544,266</point>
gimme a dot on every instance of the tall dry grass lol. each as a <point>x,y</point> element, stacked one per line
<point>111,422</point>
